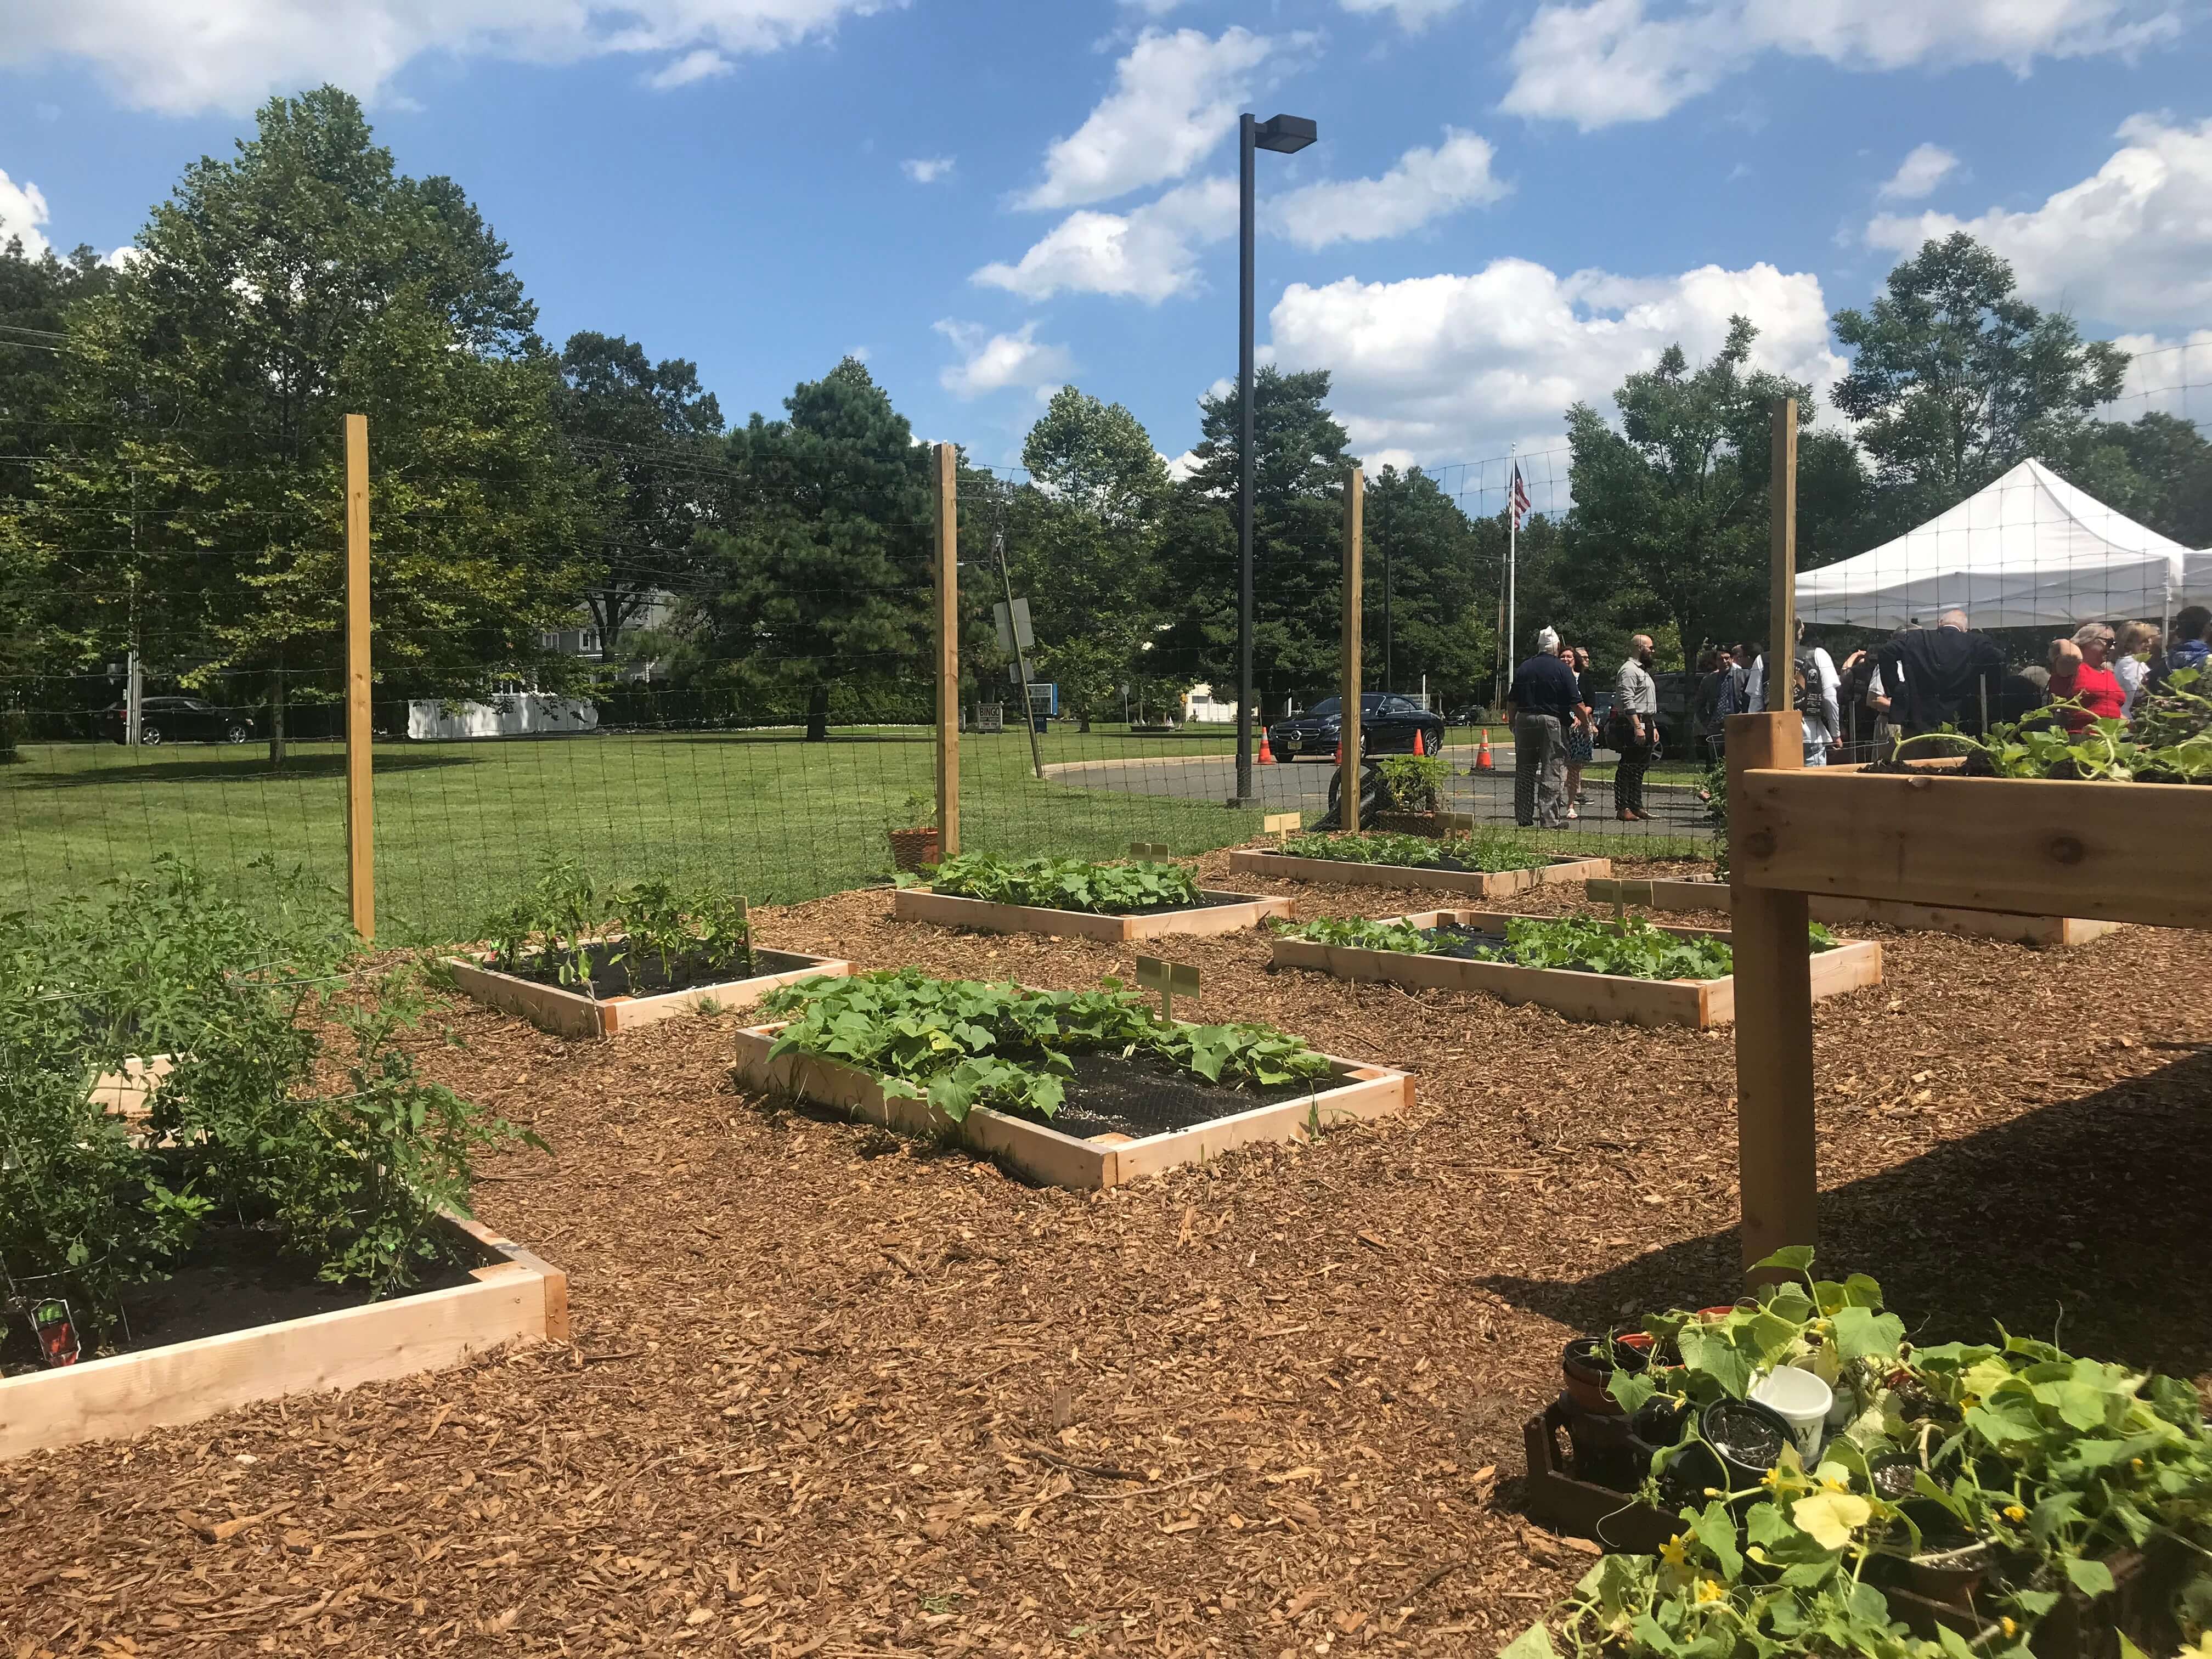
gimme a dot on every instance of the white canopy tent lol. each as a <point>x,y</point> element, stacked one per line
<point>2028,550</point>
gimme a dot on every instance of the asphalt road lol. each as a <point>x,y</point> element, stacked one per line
<point>1303,786</point>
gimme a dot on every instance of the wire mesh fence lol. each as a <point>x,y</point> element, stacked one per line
<point>735,674</point>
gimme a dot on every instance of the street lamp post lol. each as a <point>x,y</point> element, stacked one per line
<point>1284,134</point>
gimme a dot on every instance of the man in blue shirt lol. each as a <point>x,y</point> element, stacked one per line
<point>1539,707</point>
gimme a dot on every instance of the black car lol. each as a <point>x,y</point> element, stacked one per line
<point>1387,726</point>
<point>180,720</point>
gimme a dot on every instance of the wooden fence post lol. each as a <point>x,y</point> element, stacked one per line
<point>1776,1160</point>
<point>1348,703</point>
<point>948,652</point>
<point>361,795</point>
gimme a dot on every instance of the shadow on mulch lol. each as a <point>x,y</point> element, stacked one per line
<point>2087,1218</point>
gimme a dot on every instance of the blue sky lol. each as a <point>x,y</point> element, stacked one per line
<point>1510,206</point>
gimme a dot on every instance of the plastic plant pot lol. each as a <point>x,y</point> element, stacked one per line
<point>1587,1363</point>
<point>1803,1401</point>
<point>1950,1576</point>
<point>1662,1420</point>
<point>1748,1437</point>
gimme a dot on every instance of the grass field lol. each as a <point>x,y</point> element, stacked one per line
<point>461,826</point>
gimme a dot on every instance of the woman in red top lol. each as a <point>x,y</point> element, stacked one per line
<point>2078,676</point>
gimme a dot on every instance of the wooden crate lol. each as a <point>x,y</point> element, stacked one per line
<point>2113,852</point>
<point>1224,913</point>
<point>1701,1003</point>
<point>2040,933</point>
<point>1051,1156</point>
<point>1475,884</point>
<point>574,1014</point>
<point>517,1298</point>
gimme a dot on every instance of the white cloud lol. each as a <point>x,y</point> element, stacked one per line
<point>701,65</point>
<point>1452,368</point>
<point>1424,184</point>
<point>928,169</point>
<point>181,57</point>
<point>1602,62</point>
<point>991,363</point>
<point>1412,15</point>
<point>22,210</point>
<point>2132,244</point>
<point>1182,465</point>
<point>1146,254</point>
<point>1918,175</point>
<point>1174,97</point>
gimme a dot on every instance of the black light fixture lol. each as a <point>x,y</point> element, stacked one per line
<point>1285,135</point>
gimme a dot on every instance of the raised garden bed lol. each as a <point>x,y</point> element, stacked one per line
<point>1448,876</point>
<point>617,1001</point>
<point>511,1297</point>
<point>1702,1003</point>
<point>1214,913</point>
<point>2038,932</point>
<point>1111,1102</point>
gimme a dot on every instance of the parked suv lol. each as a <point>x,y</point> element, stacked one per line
<point>180,720</point>
<point>1387,725</point>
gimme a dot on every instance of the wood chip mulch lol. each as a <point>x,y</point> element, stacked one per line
<point>835,1393</point>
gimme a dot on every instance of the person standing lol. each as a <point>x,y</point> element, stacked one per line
<point>1635,729</point>
<point>1939,677</point>
<point>1539,707</point>
<point>2138,649</point>
<point>1815,694</point>
<point>1581,735</point>
<point>2084,680</point>
<point>2192,639</point>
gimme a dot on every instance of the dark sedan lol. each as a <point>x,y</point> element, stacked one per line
<point>181,719</point>
<point>1387,726</point>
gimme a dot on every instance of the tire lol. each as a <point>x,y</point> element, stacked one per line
<point>149,734</point>
<point>238,732</point>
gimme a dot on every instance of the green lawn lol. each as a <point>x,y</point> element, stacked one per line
<point>459,826</point>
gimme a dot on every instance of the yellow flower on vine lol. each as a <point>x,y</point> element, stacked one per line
<point>1711,1590</point>
<point>1673,1552</point>
<point>2010,1626</point>
<point>1771,1478</point>
<point>1835,1483</point>
<point>2014,1512</point>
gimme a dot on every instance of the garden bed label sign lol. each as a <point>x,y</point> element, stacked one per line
<point>1149,849</point>
<point>1281,824</point>
<point>1171,979</point>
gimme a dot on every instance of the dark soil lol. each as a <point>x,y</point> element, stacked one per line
<point>640,975</point>
<point>235,1278</point>
<point>1146,1095</point>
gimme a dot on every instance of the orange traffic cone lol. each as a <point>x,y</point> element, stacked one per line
<point>1418,749</point>
<point>1267,755</point>
<point>1482,761</point>
<point>1340,751</point>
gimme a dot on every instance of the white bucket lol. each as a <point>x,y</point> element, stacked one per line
<point>1803,1401</point>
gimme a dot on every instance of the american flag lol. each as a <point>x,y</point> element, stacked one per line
<point>1520,499</point>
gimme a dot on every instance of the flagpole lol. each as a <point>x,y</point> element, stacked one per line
<point>1512,552</point>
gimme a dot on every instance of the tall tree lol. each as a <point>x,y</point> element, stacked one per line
<point>1669,523</point>
<point>1085,545</point>
<point>642,434</point>
<point>811,585</point>
<point>1441,592</point>
<point>1957,378</point>
<point>1299,463</point>
<point>276,292</point>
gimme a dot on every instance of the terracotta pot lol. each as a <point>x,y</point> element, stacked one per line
<point>1950,1577</point>
<point>912,848</point>
<point>1588,1364</point>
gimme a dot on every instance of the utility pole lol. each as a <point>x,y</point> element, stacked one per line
<point>1021,658</point>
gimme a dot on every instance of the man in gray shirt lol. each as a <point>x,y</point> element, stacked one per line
<point>1635,729</point>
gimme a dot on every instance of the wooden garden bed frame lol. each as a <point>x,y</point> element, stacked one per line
<point>1224,913</point>
<point>2040,932</point>
<point>517,1298</point>
<point>574,1014</point>
<point>1702,1003</point>
<point>1475,884</point>
<point>1057,1159</point>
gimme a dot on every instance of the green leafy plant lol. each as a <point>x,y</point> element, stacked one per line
<point>1359,934</point>
<point>1487,849</point>
<point>1411,783</point>
<point>1068,883</point>
<point>2042,1463</point>
<point>2168,740</point>
<point>964,1043</point>
<point>568,930</point>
